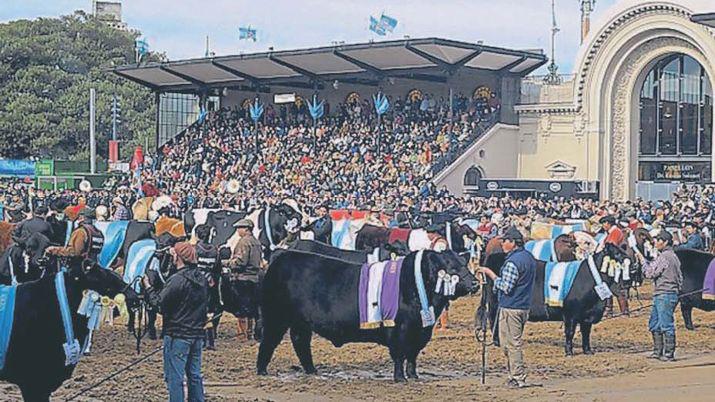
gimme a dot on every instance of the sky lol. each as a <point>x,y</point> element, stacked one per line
<point>179,27</point>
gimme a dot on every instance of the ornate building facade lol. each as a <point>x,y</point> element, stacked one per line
<point>637,112</point>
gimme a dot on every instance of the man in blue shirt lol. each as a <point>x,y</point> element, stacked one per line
<point>695,240</point>
<point>514,288</point>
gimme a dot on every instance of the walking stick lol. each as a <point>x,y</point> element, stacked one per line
<point>482,316</point>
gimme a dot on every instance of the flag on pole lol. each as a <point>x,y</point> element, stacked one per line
<point>376,27</point>
<point>247,33</point>
<point>388,23</point>
<point>142,48</point>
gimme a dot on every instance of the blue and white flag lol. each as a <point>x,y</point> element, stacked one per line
<point>376,27</point>
<point>316,109</point>
<point>142,48</point>
<point>256,110</point>
<point>388,23</point>
<point>247,33</point>
<point>381,103</point>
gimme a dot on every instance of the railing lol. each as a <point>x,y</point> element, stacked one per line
<point>454,153</point>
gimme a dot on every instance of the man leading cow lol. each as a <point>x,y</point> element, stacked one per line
<point>667,278</point>
<point>246,263</point>
<point>514,288</point>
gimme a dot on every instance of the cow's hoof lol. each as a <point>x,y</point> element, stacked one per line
<point>690,328</point>
<point>413,376</point>
<point>569,353</point>
<point>262,372</point>
<point>312,371</point>
<point>400,380</point>
<point>587,351</point>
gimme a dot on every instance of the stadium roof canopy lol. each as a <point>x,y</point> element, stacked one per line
<point>705,19</point>
<point>428,59</point>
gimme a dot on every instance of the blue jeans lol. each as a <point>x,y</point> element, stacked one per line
<point>661,315</point>
<point>182,359</point>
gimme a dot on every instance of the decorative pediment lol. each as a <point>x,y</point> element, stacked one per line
<point>561,170</point>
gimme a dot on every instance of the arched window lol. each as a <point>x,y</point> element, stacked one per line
<point>676,109</point>
<point>472,176</point>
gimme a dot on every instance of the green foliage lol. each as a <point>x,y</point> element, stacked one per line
<point>47,67</point>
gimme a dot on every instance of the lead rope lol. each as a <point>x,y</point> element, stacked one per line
<point>125,368</point>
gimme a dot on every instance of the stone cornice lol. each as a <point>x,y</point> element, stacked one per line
<point>546,108</point>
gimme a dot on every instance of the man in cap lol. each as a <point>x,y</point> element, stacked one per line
<point>183,303</point>
<point>121,213</point>
<point>667,278</point>
<point>514,288</point>
<point>246,262</point>
<point>322,228</point>
<point>614,234</point>
<point>694,239</point>
<point>85,242</point>
<point>36,224</point>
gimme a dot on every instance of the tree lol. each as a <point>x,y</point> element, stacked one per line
<point>47,67</point>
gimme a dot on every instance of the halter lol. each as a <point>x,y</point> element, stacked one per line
<point>267,227</point>
<point>12,270</point>
<point>448,228</point>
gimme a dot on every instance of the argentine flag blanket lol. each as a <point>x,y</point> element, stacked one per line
<point>542,250</point>
<point>7,315</point>
<point>558,279</point>
<point>114,234</point>
<point>138,258</point>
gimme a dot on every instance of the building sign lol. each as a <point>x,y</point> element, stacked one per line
<point>45,168</point>
<point>675,171</point>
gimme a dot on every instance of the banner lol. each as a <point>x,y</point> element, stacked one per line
<point>17,167</point>
<point>45,168</point>
<point>247,33</point>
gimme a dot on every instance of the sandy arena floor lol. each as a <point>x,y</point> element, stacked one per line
<point>449,367</point>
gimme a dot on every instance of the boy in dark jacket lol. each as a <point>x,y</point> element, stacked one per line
<point>183,303</point>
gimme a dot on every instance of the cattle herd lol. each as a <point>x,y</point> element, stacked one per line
<point>311,287</point>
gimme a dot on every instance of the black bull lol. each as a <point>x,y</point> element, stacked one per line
<point>35,359</point>
<point>307,293</point>
<point>694,264</point>
<point>581,306</point>
<point>25,258</point>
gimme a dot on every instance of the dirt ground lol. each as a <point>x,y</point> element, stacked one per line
<point>449,367</point>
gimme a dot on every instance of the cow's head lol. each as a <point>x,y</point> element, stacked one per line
<point>285,219</point>
<point>449,274</point>
<point>103,281</point>
<point>33,250</point>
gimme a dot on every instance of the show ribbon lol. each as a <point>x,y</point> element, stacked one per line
<point>426,311</point>
<point>71,345</point>
<point>601,288</point>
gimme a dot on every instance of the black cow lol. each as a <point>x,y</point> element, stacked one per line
<point>25,256</point>
<point>694,264</point>
<point>310,293</point>
<point>370,236</point>
<point>284,223</point>
<point>35,358</point>
<point>59,230</point>
<point>354,256</point>
<point>582,305</point>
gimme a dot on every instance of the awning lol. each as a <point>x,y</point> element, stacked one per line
<point>429,59</point>
<point>707,19</point>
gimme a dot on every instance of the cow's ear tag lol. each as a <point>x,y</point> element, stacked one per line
<point>393,256</point>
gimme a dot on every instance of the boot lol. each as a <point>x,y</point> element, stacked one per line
<point>249,329</point>
<point>657,345</point>
<point>242,328</point>
<point>609,307</point>
<point>623,304</point>
<point>669,348</point>
<point>444,320</point>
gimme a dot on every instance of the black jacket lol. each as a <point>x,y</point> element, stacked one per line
<point>183,303</point>
<point>322,229</point>
<point>33,225</point>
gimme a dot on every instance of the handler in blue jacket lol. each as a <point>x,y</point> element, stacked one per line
<point>514,288</point>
